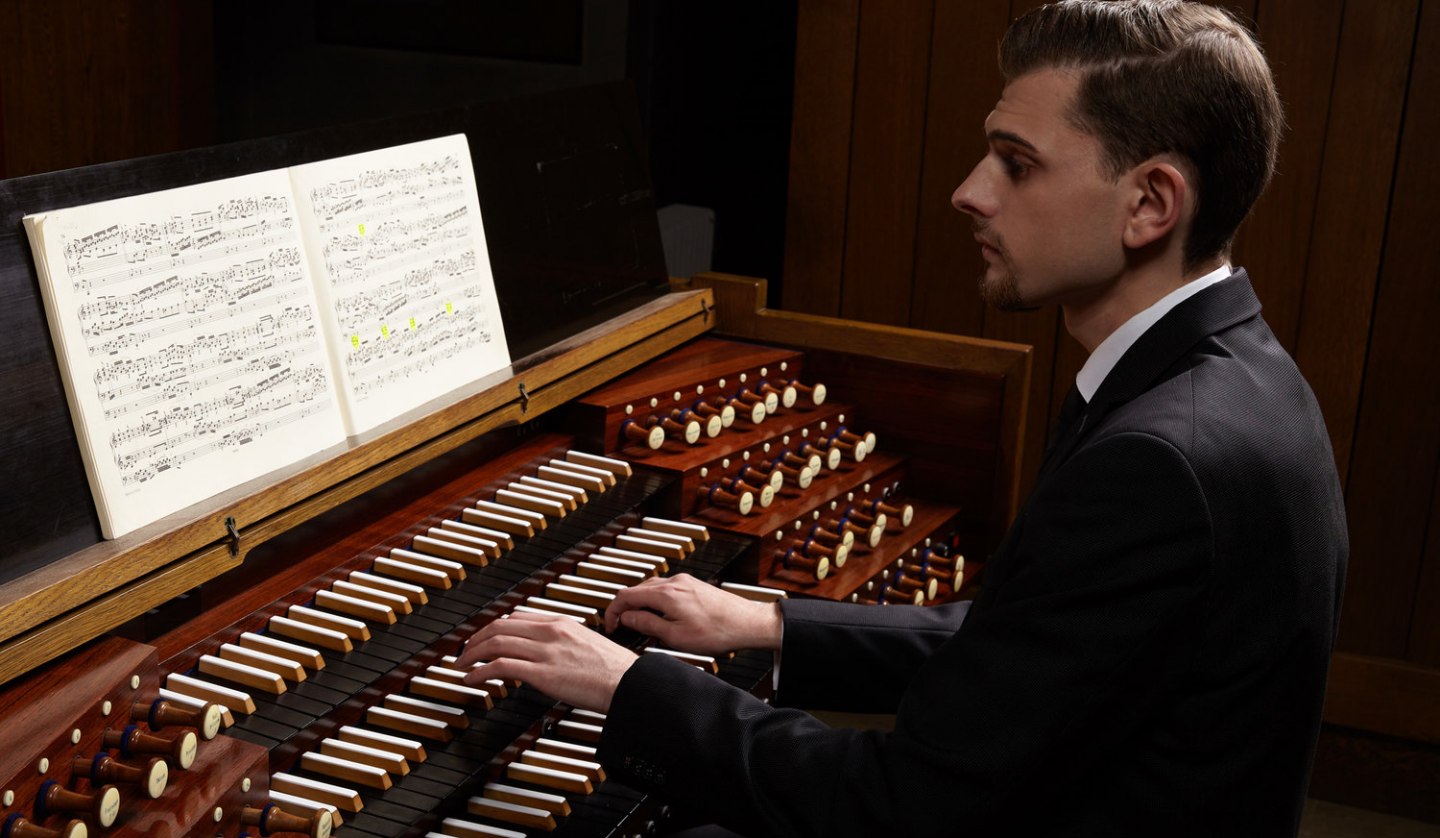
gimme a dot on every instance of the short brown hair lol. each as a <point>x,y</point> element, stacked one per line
<point>1161,76</point>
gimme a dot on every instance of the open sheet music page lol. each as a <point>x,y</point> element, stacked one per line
<point>186,328</point>
<point>398,247</point>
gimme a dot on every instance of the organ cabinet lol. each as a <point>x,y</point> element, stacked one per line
<point>278,659</point>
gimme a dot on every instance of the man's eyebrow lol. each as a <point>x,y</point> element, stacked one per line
<point>1016,139</point>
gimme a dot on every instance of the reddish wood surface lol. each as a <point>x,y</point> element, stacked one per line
<point>39,714</point>
<point>1392,485</point>
<point>886,147</point>
<point>827,33</point>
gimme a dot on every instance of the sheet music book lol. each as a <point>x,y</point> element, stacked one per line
<point>210,334</point>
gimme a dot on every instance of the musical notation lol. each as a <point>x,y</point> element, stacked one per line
<point>189,332</point>
<point>412,302</point>
<point>213,333</point>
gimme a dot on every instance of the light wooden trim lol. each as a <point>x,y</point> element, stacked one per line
<point>1384,695</point>
<point>70,601</point>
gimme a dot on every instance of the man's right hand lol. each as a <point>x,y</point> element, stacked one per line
<point>691,616</point>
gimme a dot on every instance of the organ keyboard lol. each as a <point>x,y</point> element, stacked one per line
<point>280,659</point>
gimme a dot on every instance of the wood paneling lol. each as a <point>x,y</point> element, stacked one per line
<point>820,155</point>
<point>1300,38</point>
<point>98,82</point>
<point>1359,160</point>
<point>889,130</point>
<point>1396,444</point>
<point>1340,249</point>
<point>963,86</point>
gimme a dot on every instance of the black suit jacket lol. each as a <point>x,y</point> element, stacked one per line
<point>1147,655</point>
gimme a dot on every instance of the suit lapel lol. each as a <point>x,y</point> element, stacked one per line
<point>1162,346</point>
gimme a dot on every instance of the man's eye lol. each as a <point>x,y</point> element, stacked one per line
<point>1013,167</point>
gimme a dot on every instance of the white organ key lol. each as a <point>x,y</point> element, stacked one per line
<point>414,593</point>
<point>452,716</point>
<point>325,638</point>
<point>291,670</point>
<point>529,516</point>
<point>489,547</point>
<point>239,673</point>
<point>410,723</point>
<point>411,572</point>
<point>516,813</point>
<point>353,629</point>
<point>411,749</point>
<point>393,601</point>
<point>345,799</point>
<point>510,524</point>
<point>575,493</point>
<point>567,502</point>
<point>448,549</point>
<point>205,691</point>
<point>378,757</point>
<point>553,803</point>
<point>504,539</point>
<point>363,609</point>
<point>534,503</point>
<point>306,656</point>
<point>346,770</point>
<point>619,468</point>
<point>446,691</point>
<point>574,477</point>
<point>454,570</point>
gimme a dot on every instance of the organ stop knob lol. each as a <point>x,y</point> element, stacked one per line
<point>153,775</point>
<point>273,820</point>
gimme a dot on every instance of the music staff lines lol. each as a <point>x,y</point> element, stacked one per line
<point>148,463</point>
<point>282,299</point>
<point>95,272</point>
<point>444,280</point>
<point>181,382</point>
<point>381,364</point>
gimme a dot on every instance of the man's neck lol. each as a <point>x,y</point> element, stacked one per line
<point>1094,318</point>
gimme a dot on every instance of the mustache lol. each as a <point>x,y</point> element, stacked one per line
<point>980,227</point>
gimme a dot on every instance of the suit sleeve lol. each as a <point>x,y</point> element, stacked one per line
<point>1072,651</point>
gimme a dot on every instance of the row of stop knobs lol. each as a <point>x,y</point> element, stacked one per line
<point>707,417</point>
<point>142,759</point>
<point>915,578</point>
<point>825,543</point>
<point>756,483</point>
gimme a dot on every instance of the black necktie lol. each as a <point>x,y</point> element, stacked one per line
<point>1068,423</point>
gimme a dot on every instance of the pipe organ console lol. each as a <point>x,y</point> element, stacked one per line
<point>313,692</point>
<point>280,659</point>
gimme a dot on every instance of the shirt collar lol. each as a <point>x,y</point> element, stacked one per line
<point>1110,350</point>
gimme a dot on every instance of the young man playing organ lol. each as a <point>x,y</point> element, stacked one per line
<point>1147,655</point>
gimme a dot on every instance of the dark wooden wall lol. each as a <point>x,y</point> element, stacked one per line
<point>890,98</point>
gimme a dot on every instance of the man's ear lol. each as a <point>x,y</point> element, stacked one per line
<point>1160,202</point>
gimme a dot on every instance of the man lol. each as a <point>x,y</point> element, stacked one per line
<point>1148,653</point>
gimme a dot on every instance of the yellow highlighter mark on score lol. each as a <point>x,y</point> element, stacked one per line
<point>449,307</point>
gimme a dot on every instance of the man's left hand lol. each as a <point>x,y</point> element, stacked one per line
<point>554,654</point>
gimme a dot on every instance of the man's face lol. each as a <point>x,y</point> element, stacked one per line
<point>1048,218</point>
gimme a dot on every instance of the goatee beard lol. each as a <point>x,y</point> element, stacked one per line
<point>1003,293</point>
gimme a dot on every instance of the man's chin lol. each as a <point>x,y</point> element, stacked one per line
<point>1002,292</point>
